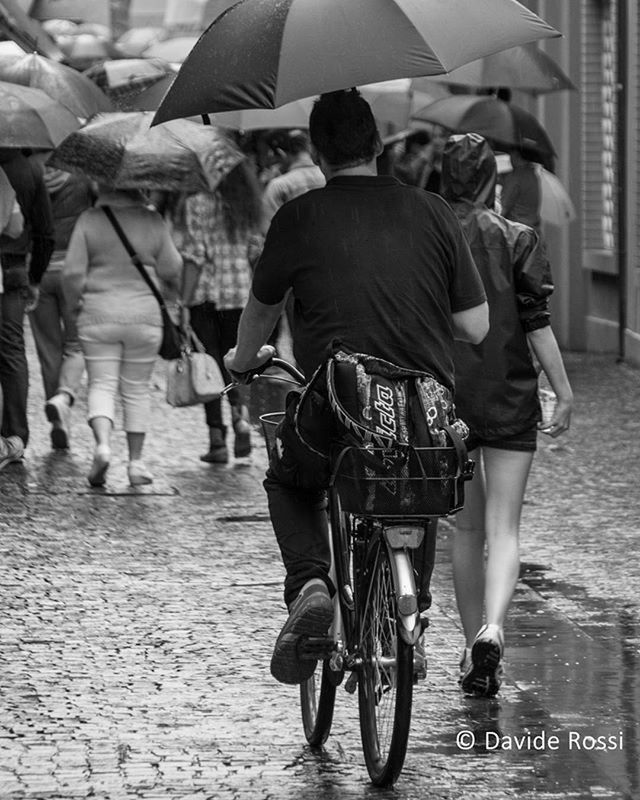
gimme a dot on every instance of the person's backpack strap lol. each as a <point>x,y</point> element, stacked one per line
<point>135,258</point>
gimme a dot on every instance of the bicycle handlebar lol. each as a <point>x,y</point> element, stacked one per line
<point>251,375</point>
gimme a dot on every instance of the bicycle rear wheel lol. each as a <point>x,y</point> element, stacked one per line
<point>385,685</point>
<point>317,700</point>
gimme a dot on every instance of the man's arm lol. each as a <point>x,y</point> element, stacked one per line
<point>472,324</point>
<point>256,325</point>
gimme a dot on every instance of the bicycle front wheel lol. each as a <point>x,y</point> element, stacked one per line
<point>317,700</point>
<point>385,684</point>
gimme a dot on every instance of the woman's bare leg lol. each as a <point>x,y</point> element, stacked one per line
<point>506,474</point>
<point>468,553</point>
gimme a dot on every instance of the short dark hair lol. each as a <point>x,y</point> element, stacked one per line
<point>342,128</point>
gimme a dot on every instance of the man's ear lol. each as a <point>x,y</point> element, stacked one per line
<point>315,156</point>
<point>379,146</point>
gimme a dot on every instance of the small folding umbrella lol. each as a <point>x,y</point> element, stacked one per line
<point>59,27</point>
<point>261,54</point>
<point>393,102</point>
<point>66,85</point>
<point>123,79</point>
<point>556,206</point>
<point>120,150</point>
<point>136,40</point>
<point>526,68</point>
<point>174,50</point>
<point>85,49</point>
<point>505,125</point>
<point>31,118</point>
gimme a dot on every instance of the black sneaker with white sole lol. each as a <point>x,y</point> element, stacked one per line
<point>310,615</point>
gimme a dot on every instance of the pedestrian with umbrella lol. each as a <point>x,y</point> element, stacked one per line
<point>24,261</point>
<point>125,156</point>
<point>219,235</point>
<point>53,326</point>
<point>118,318</point>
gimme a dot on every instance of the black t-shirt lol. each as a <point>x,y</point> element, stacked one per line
<point>374,264</point>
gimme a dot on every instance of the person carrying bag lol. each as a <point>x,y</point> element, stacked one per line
<point>171,344</point>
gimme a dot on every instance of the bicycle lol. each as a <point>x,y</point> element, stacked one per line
<point>377,622</point>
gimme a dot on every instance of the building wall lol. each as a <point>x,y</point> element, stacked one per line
<point>596,133</point>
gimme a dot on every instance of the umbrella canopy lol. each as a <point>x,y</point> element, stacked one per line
<point>59,27</point>
<point>146,98</point>
<point>393,102</point>
<point>123,79</point>
<point>292,115</point>
<point>556,206</point>
<point>136,40</point>
<point>525,67</point>
<point>66,85</point>
<point>505,125</point>
<point>84,49</point>
<point>20,27</point>
<point>264,54</point>
<point>174,50</point>
<point>31,118</point>
<point>120,150</point>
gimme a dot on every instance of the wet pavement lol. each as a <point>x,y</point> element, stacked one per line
<point>137,628</point>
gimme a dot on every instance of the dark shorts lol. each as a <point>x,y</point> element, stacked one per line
<point>524,442</point>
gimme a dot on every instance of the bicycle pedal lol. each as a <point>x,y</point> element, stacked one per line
<point>315,648</point>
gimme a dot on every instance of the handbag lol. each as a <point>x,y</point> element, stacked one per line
<point>195,376</point>
<point>171,344</point>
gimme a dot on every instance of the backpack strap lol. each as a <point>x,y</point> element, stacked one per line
<point>135,258</point>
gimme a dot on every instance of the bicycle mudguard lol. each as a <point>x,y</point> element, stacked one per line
<point>399,539</point>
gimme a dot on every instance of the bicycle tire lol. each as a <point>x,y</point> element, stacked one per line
<point>385,684</point>
<point>317,695</point>
<point>317,701</point>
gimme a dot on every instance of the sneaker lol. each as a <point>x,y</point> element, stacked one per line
<point>11,450</point>
<point>58,410</point>
<point>100,465</point>
<point>242,444</point>
<point>310,614</point>
<point>139,475</point>
<point>481,674</point>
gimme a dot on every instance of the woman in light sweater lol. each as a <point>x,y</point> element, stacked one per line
<point>119,321</point>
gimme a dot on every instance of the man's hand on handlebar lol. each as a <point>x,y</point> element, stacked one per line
<point>243,372</point>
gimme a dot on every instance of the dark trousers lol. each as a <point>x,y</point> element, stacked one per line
<point>296,484</point>
<point>217,329</point>
<point>14,371</point>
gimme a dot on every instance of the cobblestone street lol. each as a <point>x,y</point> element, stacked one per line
<point>137,628</point>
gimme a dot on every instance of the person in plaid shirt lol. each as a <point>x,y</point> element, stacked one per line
<point>219,237</point>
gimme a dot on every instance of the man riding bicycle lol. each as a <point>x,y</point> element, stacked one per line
<point>374,267</point>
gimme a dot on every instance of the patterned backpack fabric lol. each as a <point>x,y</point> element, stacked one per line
<point>398,447</point>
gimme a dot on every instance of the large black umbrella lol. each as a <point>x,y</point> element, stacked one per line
<point>505,125</point>
<point>261,54</point>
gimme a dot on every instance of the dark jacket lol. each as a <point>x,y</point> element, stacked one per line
<point>69,201</point>
<point>35,243</point>
<point>496,382</point>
